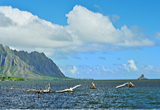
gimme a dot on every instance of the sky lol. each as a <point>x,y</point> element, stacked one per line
<point>97,39</point>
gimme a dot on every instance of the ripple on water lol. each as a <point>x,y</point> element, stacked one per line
<point>104,96</point>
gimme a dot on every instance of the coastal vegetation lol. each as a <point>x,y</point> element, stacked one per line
<point>11,79</point>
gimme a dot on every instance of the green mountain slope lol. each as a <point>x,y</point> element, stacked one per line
<point>41,63</point>
<point>27,65</point>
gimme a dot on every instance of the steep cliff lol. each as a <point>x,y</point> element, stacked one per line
<point>41,63</point>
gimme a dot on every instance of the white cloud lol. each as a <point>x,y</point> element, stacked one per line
<point>132,65</point>
<point>107,69</point>
<point>157,36</point>
<point>90,26</point>
<point>125,67</point>
<point>134,39</point>
<point>114,18</point>
<point>73,71</point>
<point>96,28</point>
<point>104,72</point>
<point>27,30</point>
<point>86,31</point>
<point>149,67</point>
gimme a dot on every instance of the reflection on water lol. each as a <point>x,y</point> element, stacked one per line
<point>146,94</point>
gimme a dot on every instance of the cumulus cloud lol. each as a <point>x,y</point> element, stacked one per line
<point>125,67</point>
<point>5,21</point>
<point>132,65</point>
<point>123,71</point>
<point>26,30</point>
<point>95,27</point>
<point>107,69</point>
<point>73,71</point>
<point>90,26</point>
<point>86,31</point>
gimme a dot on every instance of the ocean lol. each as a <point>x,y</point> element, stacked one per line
<point>145,95</point>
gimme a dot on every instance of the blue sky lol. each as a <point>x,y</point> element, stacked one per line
<point>111,39</point>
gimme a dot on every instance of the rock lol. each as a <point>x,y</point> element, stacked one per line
<point>93,86</point>
<point>130,85</point>
<point>142,77</point>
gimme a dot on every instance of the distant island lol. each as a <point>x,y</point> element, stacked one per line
<point>142,77</point>
<point>11,79</point>
<point>29,66</point>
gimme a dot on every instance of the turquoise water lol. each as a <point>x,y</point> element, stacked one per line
<point>145,95</point>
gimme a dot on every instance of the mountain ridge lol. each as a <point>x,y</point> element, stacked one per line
<point>32,65</point>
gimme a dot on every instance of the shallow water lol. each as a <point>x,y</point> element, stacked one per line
<point>145,94</point>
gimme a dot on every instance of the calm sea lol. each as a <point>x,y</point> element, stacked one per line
<point>145,95</point>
